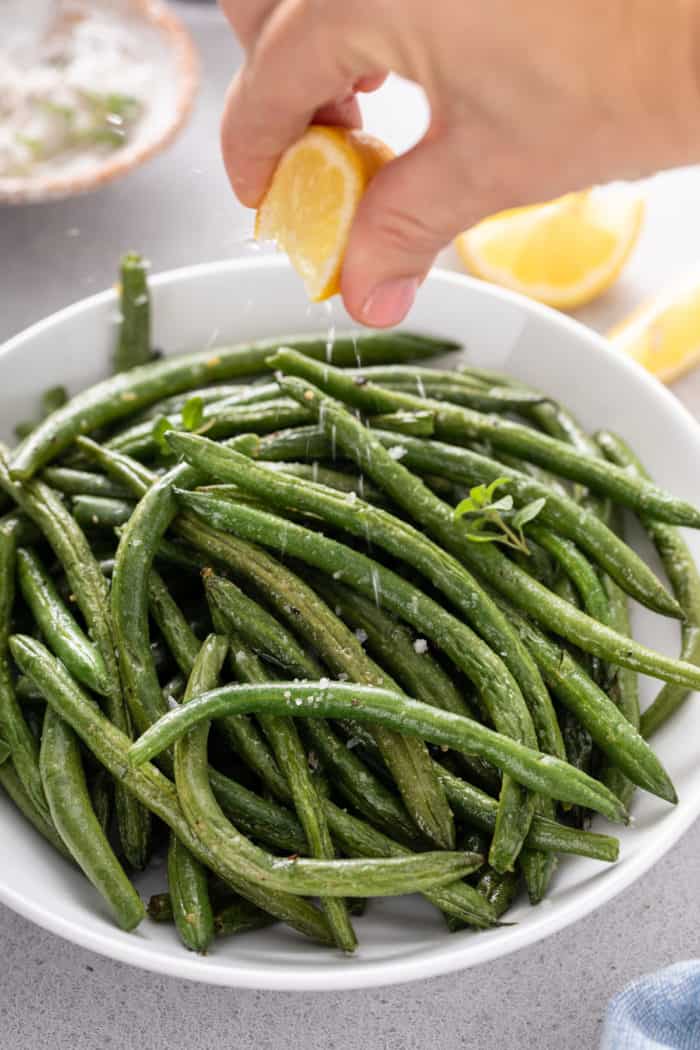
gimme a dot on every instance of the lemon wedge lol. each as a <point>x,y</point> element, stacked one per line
<point>312,199</point>
<point>563,253</point>
<point>663,334</point>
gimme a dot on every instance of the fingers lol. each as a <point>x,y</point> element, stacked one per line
<point>247,17</point>
<point>411,210</point>
<point>292,72</point>
<point>345,114</point>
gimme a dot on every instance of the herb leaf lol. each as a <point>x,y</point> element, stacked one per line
<point>482,510</point>
<point>528,513</point>
<point>160,427</point>
<point>193,413</point>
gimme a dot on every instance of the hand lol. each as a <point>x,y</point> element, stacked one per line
<point>528,100</point>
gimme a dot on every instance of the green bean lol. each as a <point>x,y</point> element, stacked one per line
<point>419,378</point>
<point>19,524</point>
<point>13,726</point>
<point>438,518</point>
<point>397,649</point>
<point>82,483</point>
<point>258,630</point>
<point>405,542</point>
<point>160,908</point>
<point>126,393</point>
<point>241,733</point>
<point>134,345</point>
<point>624,690</point>
<point>541,773</point>
<point>361,519</point>
<point>408,762</point>
<point>246,740</point>
<point>14,788</point>
<point>560,513</point>
<point>608,727</point>
<point>179,637</point>
<point>259,391</point>
<point>395,646</point>
<point>441,386</point>
<point>499,889</point>
<point>480,809</point>
<point>270,822</point>
<point>305,877</point>
<point>71,811</point>
<point>333,479</point>
<point>683,574</point>
<point>122,469</point>
<point>307,443</point>
<point>26,692</point>
<point>291,757</point>
<point>565,589</point>
<point>545,835</point>
<point>577,566</point>
<point>101,795</point>
<point>559,845</point>
<point>294,601</point>
<point>486,376</point>
<point>555,613</point>
<point>445,572</point>
<point>139,441</point>
<point>134,559</point>
<point>558,422</point>
<point>138,545</point>
<point>392,591</point>
<point>24,428</point>
<point>58,624</point>
<point>110,746</point>
<point>52,399</point>
<point>100,512</point>
<point>240,917</point>
<point>44,507</point>
<point>259,818</point>
<point>357,838</point>
<point>465,423</point>
<point>419,424</point>
<point>189,897</point>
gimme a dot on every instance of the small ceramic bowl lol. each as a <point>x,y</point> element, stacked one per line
<point>168,109</point>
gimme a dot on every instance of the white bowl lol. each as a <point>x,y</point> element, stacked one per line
<point>400,939</point>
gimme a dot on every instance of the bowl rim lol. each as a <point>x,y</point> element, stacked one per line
<point>454,954</point>
<point>180,42</point>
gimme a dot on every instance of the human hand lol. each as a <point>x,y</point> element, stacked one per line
<point>527,101</point>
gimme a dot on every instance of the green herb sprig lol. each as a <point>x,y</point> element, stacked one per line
<point>495,520</point>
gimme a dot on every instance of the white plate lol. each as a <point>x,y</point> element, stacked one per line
<point>400,939</point>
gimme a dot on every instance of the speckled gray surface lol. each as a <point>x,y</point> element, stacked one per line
<point>55,996</point>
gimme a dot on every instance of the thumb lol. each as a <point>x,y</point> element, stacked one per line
<point>412,208</point>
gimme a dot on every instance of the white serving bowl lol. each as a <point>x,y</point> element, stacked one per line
<point>400,939</point>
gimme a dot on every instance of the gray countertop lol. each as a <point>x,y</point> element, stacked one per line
<point>53,994</point>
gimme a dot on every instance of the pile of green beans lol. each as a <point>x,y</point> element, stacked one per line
<point>273,642</point>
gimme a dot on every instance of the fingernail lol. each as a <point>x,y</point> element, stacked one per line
<point>390,301</point>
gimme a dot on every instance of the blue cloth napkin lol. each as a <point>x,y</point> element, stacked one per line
<point>660,1011</point>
